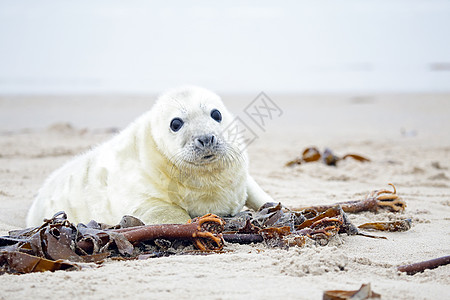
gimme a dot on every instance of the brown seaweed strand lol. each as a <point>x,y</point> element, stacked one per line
<point>422,266</point>
<point>375,200</point>
<point>197,230</point>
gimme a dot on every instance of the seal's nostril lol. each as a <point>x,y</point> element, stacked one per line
<point>199,143</point>
<point>213,139</point>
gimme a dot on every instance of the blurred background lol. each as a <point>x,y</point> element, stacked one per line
<point>134,47</point>
<point>57,50</point>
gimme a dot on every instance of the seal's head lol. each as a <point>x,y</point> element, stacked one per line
<point>189,126</point>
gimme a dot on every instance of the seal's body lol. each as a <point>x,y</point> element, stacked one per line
<point>173,163</point>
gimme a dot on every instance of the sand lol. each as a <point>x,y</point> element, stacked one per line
<point>406,136</point>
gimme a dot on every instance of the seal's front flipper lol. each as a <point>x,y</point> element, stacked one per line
<point>256,197</point>
<point>155,211</point>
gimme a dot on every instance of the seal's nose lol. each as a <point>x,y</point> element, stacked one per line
<point>205,141</point>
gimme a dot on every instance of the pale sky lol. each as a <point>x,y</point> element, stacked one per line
<point>105,46</point>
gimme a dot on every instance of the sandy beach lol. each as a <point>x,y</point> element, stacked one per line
<point>406,136</point>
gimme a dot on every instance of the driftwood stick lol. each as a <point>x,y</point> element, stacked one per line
<point>421,266</point>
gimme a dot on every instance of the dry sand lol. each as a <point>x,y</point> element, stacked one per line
<point>406,136</point>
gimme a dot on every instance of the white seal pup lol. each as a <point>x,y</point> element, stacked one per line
<point>173,163</point>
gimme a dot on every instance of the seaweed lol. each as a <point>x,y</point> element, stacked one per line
<point>57,244</point>
<point>364,292</point>
<point>374,201</point>
<point>60,245</point>
<point>424,265</point>
<point>402,225</point>
<point>312,154</point>
<point>279,226</point>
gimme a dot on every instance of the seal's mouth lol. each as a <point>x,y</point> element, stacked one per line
<point>205,159</point>
<point>216,156</point>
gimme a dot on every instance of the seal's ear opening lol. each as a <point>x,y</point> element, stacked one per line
<point>216,115</point>
<point>176,124</point>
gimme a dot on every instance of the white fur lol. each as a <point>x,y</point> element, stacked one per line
<point>150,172</point>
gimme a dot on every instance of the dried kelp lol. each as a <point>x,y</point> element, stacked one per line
<point>374,201</point>
<point>312,154</point>
<point>60,245</point>
<point>51,246</point>
<point>424,265</point>
<point>279,226</point>
<point>19,263</point>
<point>401,225</point>
<point>364,292</point>
<point>57,243</point>
<point>319,223</point>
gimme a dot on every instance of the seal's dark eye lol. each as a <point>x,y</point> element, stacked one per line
<point>176,124</point>
<point>216,115</point>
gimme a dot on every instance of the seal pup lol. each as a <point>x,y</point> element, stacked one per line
<point>173,163</point>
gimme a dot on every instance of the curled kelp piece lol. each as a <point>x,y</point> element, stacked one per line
<point>364,292</point>
<point>249,228</point>
<point>327,224</point>
<point>312,154</point>
<point>15,262</point>
<point>374,201</point>
<point>401,225</point>
<point>274,236</point>
<point>276,215</point>
<point>209,232</point>
<point>333,214</point>
<point>235,223</point>
<point>386,199</point>
<point>297,161</point>
<point>356,157</point>
<point>329,158</point>
<point>91,240</point>
<point>424,265</point>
